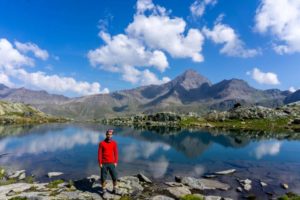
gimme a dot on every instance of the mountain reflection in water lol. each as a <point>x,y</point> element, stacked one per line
<point>72,149</point>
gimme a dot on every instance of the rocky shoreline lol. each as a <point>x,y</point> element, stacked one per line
<point>15,185</point>
<point>247,118</point>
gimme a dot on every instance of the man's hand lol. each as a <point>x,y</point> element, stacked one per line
<point>100,165</point>
<point>116,164</point>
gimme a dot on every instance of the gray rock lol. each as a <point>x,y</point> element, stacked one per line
<point>212,198</point>
<point>125,186</point>
<point>108,195</point>
<point>53,174</point>
<point>78,195</point>
<point>17,174</point>
<point>132,182</point>
<point>16,187</point>
<point>208,125</point>
<point>34,196</point>
<point>11,193</point>
<point>61,185</point>
<point>178,178</point>
<point>143,178</point>
<point>94,178</point>
<point>22,176</point>
<point>246,181</point>
<point>246,184</point>
<point>284,186</point>
<point>204,184</point>
<point>247,187</point>
<point>161,197</point>
<point>263,184</point>
<point>239,189</point>
<point>296,121</point>
<point>178,192</point>
<point>173,184</point>
<point>229,171</point>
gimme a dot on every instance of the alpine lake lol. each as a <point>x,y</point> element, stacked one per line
<point>160,154</point>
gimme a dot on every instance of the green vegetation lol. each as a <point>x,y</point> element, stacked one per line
<point>290,196</point>
<point>2,172</point>
<point>29,179</point>
<point>70,183</point>
<point>18,198</point>
<point>125,198</point>
<point>270,125</point>
<point>191,197</point>
<point>277,125</point>
<point>32,189</point>
<point>9,181</point>
<point>54,184</point>
<point>18,113</point>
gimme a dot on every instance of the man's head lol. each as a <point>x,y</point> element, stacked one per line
<point>109,133</point>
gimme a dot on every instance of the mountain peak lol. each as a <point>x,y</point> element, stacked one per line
<point>190,79</point>
<point>190,72</point>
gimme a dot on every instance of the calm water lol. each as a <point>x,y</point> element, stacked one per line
<point>72,149</point>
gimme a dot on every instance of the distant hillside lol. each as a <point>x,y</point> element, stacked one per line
<point>18,113</point>
<point>189,92</point>
<point>23,95</point>
<point>293,97</point>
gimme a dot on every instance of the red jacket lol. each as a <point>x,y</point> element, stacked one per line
<point>107,152</point>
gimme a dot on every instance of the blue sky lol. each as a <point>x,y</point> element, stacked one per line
<point>85,47</point>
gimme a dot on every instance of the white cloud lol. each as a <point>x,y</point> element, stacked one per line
<point>4,79</point>
<point>280,18</point>
<point>143,5</point>
<point>144,77</point>
<point>267,148</point>
<point>49,142</point>
<point>55,83</point>
<point>120,51</point>
<point>198,7</point>
<point>12,64</point>
<point>132,152</point>
<point>147,5</point>
<point>121,54</point>
<point>292,89</point>
<point>11,57</point>
<point>264,77</point>
<point>148,78</point>
<point>167,34</point>
<point>146,40</point>
<point>233,45</point>
<point>159,167</point>
<point>31,47</point>
<point>199,170</point>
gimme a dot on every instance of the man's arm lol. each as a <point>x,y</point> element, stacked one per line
<point>116,153</point>
<point>100,154</point>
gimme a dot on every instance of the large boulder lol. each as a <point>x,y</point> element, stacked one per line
<point>178,192</point>
<point>204,184</point>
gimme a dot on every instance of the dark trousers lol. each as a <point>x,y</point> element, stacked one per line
<point>111,168</point>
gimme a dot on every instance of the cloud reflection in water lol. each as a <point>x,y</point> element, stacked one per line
<point>267,148</point>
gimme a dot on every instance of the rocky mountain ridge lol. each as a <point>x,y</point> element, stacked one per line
<point>188,92</point>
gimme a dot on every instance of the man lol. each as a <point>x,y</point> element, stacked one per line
<point>108,159</point>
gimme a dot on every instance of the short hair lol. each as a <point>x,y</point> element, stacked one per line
<point>109,130</point>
